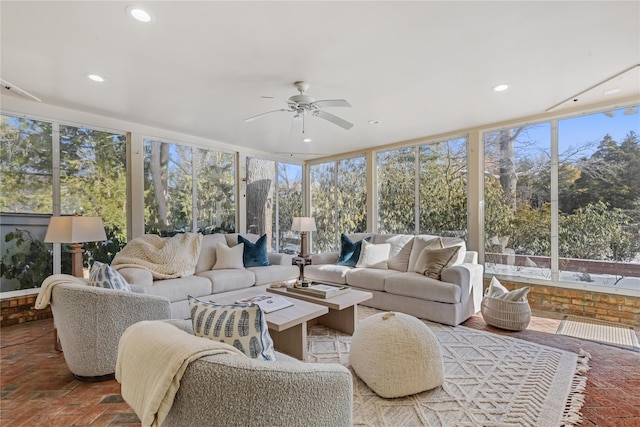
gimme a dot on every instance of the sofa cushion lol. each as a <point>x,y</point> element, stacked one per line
<point>207,257</point>
<point>255,254</point>
<point>455,241</point>
<point>227,280</point>
<point>177,289</point>
<point>241,325</point>
<point>422,287</point>
<point>331,273</point>
<point>275,273</point>
<point>349,251</point>
<point>368,278</point>
<point>232,238</point>
<point>373,256</point>
<point>401,245</point>
<point>431,262</point>
<point>229,258</point>
<point>103,276</point>
<point>419,243</point>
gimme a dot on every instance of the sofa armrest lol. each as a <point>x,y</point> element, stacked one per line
<point>467,276</point>
<point>471,257</point>
<point>276,258</point>
<point>325,258</point>
<point>289,393</point>
<point>137,276</point>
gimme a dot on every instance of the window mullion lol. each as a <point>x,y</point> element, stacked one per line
<point>416,171</point>
<point>555,271</point>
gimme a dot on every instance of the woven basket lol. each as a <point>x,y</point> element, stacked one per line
<point>511,315</point>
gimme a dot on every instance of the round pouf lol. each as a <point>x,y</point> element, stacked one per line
<point>396,355</point>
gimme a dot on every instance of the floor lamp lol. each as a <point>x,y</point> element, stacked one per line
<point>303,224</point>
<point>76,230</point>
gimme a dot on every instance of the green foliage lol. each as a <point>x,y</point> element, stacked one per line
<point>29,261</point>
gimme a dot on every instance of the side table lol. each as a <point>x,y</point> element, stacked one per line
<point>301,262</point>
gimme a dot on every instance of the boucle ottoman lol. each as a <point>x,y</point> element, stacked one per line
<point>396,355</point>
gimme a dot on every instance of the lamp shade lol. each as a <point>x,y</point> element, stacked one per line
<point>75,229</point>
<point>303,223</point>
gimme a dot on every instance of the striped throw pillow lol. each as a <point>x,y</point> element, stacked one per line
<point>104,276</point>
<point>240,325</point>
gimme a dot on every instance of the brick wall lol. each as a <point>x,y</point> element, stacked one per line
<point>20,309</point>
<point>595,305</point>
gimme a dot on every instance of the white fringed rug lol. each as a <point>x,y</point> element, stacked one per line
<point>490,380</point>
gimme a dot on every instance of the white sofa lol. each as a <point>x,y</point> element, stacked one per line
<point>450,300</point>
<point>207,282</point>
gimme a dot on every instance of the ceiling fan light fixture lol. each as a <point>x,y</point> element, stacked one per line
<point>306,140</point>
<point>140,14</point>
<point>501,87</point>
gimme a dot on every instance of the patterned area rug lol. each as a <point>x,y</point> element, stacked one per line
<point>490,380</point>
<point>599,331</point>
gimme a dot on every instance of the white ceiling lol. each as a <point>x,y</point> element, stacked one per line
<point>421,68</point>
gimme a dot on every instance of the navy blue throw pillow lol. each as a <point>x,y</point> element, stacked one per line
<point>349,251</point>
<point>255,254</point>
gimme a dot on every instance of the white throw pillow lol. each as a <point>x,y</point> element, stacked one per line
<point>240,325</point>
<point>518,295</point>
<point>229,258</point>
<point>374,256</point>
<point>496,288</point>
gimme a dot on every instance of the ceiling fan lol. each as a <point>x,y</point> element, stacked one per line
<point>303,104</point>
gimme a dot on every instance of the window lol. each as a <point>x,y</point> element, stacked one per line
<point>338,201</point>
<point>170,196</point>
<point>425,186</point>
<point>274,197</point>
<point>517,200</point>
<point>26,165</point>
<point>599,199</point>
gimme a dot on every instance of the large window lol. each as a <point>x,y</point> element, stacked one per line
<point>570,212</point>
<point>423,189</point>
<point>170,196</point>
<point>338,201</point>
<point>274,197</point>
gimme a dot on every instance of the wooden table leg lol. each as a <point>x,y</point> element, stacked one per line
<point>344,320</point>
<point>292,341</point>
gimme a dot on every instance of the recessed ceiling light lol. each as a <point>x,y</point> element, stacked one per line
<point>501,87</point>
<point>306,140</point>
<point>95,78</point>
<point>139,13</point>
<point>374,122</point>
<point>611,91</point>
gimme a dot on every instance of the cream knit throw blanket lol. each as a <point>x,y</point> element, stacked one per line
<point>44,296</point>
<point>164,257</point>
<point>152,357</point>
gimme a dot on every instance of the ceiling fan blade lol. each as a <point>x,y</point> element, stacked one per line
<point>248,119</point>
<point>333,119</point>
<point>331,103</point>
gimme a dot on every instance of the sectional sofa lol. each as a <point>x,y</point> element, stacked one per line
<point>206,282</point>
<point>396,286</point>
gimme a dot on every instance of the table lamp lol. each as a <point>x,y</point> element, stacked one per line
<point>76,230</point>
<point>303,224</point>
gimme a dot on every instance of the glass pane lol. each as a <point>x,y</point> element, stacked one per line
<point>396,191</point>
<point>261,175</point>
<point>443,188</point>
<point>168,188</point>
<point>25,166</point>
<point>216,180</point>
<point>517,210</point>
<point>288,205</point>
<point>323,207</point>
<point>599,199</point>
<point>351,203</point>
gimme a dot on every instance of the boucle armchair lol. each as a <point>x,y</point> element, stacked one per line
<point>90,321</point>
<point>231,390</point>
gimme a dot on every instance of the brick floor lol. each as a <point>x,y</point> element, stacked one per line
<point>38,389</point>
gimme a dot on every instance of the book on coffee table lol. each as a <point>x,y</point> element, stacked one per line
<point>319,290</point>
<point>267,303</point>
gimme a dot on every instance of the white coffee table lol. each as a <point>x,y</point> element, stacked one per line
<point>343,308</point>
<point>287,327</point>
